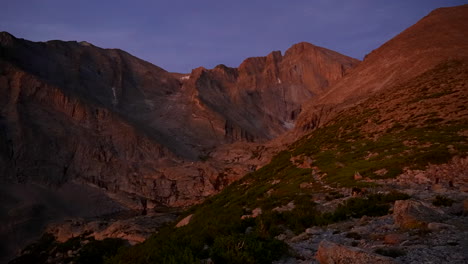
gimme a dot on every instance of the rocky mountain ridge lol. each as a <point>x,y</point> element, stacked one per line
<point>73,112</point>
<point>435,38</point>
<point>138,122</point>
<point>383,137</point>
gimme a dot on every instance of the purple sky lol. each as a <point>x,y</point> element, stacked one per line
<point>180,35</point>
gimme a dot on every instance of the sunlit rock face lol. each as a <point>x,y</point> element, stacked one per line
<point>433,40</point>
<point>70,110</point>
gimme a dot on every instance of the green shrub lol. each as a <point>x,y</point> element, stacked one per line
<point>241,248</point>
<point>96,251</point>
<point>390,252</point>
<point>442,201</point>
<point>353,235</point>
<point>36,252</point>
<point>73,243</point>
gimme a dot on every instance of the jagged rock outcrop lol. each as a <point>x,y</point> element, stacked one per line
<point>52,138</point>
<point>104,117</point>
<point>147,137</point>
<point>414,214</point>
<point>407,55</point>
<point>133,229</point>
<point>270,90</point>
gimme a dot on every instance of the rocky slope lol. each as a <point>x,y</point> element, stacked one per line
<point>104,117</point>
<point>70,111</point>
<point>406,139</point>
<point>388,132</point>
<point>338,194</point>
<point>439,36</point>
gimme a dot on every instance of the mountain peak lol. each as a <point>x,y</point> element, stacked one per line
<point>6,38</point>
<point>300,48</point>
<point>448,10</point>
<point>439,36</point>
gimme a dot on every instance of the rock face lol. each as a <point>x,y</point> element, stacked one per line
<point>103,117</point>
<point>185,221</point>
<point>413,214</point>
<point>134,229</point>
<point>270,90</point>
<point>407,55</point>
<point>70,111</point>
<point>332,253</point>
<point>26,209</point>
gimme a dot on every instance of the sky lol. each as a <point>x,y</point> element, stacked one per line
<point>179,35</point>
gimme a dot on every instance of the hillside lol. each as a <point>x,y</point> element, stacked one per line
<point>376,171</point>
<point>409,127</point>
<point>439,36</point>
<point>107,122</point>
<point>133,129</point>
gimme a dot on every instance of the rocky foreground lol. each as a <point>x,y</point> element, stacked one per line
<point>416,232</point>
<point>428,226</point>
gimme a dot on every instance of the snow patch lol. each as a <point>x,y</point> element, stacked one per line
<point>288,125</point>
<point>149,103</point>
<point>183,78</point>
<point>114,93</point>
<point>279,80</point>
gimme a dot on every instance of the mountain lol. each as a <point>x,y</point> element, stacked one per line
<point>76,111</point>
<point>270,90</point>
<point>378,175</point>
<point>73,113</point>
<point>339,182</point>
<point>435,38</point>
<point>378,168</point>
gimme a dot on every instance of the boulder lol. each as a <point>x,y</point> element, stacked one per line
<point>415,214</point>
<point>395,239</point>
<point>255,212</point>
<point>285,208</point>
<point>185,221</point>
<point>438,226</point>
<point>332,253</point>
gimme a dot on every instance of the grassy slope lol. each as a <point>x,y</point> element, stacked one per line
<point>423,121</point>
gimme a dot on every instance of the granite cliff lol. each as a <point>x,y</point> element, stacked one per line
<point>71,112</point>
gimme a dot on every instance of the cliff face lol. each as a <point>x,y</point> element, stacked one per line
<point>73,111</point>
<point>270,90</point>
<point>439,36</point>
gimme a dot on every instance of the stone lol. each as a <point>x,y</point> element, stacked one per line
<point>332,253</point>
<point>357,176</point>
<point>255,212</point>
<point>395,239</point>
<point>438,226</point>
<point>281,237</point>
<point>184,221</point>
<point>285,208</point>
<point>421,178</point>
<point>409,214</point>
<point>313,231</point>
<point>135,229</point>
